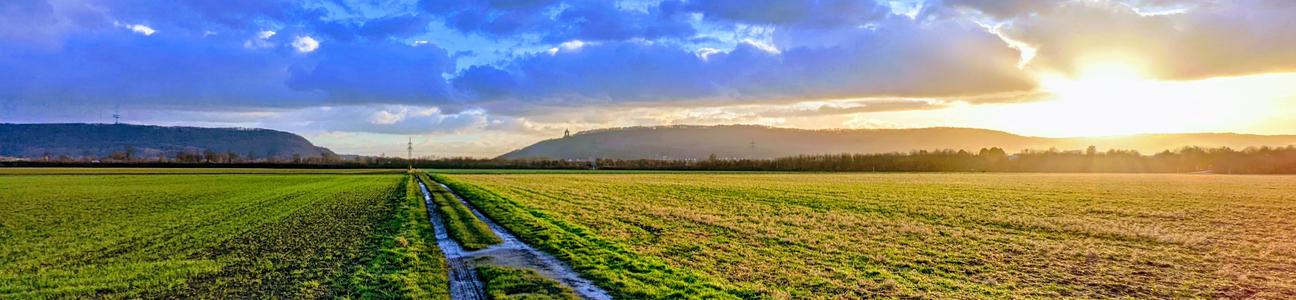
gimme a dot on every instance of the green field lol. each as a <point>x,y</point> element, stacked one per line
<point>207,233</point>
<point>505,283</point>
<point>215,236</point>
<point>184,171</point>
<point>461,224</point>
<point>907,235</point>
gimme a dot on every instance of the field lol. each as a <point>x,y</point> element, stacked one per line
<point>246,233</point>
<point>461,224</point>
<point>186,171</point>
<point>294,235</point>
<point>503,283</point>
<point>906,235</point>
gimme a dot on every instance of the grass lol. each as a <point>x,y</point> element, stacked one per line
<point>183,171</point>
<point>812,235</point>
<point>461,224</point>
<point>612,265</point>
<point>408,265</point>
<point>212,236</point>
<point>503,283</point>
<point>584,171</point>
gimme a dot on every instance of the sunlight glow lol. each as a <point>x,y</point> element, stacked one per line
<point>1110,98</point>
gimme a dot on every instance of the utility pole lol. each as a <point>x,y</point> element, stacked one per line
<point>411,154</point>
<point>116,115</point>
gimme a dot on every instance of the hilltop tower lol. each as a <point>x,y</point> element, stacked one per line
<point>566,133</point>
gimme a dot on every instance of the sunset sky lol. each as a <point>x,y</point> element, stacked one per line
<point>481,77</point>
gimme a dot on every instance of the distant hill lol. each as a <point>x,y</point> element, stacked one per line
<point>749,141</point>
<point>148,142</point>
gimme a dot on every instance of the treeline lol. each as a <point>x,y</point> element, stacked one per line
<point>1260,160</point>
<point>128,154</point>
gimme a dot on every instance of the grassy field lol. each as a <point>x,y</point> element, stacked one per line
<point>215,236</point>
<point>624,273</point>
<point>907,235</point>
<point>461,224</point>
<point>503,283</point>
<point>184,171</point>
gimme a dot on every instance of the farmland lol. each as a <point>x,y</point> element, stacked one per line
<point>461,224</point>
<point>907,235</point>
<point>247,233</point>
<point>293,235</point>
<point>513,283</point>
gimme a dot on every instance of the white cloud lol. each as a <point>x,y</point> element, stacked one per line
<point>384,117</point>
<point>305,44</point>
<point>141,29</point>
<point>136,28</point>
<point>767,47</point>
<point>571,45</point>
<point>705,53</point>
<point>262,40</point>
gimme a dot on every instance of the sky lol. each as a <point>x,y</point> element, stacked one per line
<point>482,77</point>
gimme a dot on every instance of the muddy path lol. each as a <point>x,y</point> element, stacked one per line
<point>463,278</point>
<point>511,252</point>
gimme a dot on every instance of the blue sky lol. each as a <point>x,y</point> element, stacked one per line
<point>481,77</point>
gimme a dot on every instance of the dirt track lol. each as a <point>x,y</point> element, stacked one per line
<point>511,252</point>
<point>463,278</point>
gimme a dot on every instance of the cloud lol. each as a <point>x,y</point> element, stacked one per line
<point>557,21</point>
<point>136,28</point>
<point>1168,39</point>
<point>376,72</point>
<point>217,72</point>
<point>519,64</point>
<point>163,70</point>
<point>141,29</point>
<point>261,40</point>
<point>305,44</point>
<point>398,26</point>
<point>1002,9</point>
<point>902,58</point>
<point>822,13</point>
<point>383,119</point>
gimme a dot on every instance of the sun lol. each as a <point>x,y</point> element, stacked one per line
<point>1110,71</point>
<point>1117,97</point>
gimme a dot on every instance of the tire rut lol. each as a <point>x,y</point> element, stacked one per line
<point>464,284</point>
<point>511,252</point>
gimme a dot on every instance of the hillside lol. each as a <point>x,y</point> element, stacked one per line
<point>748,141</point>
<point>148,142</point>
